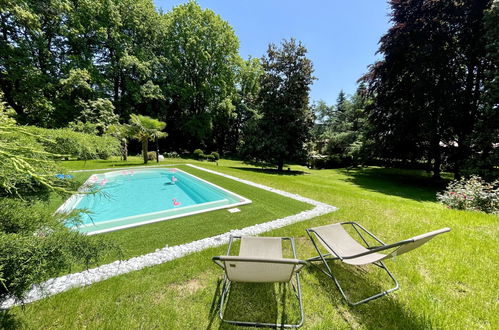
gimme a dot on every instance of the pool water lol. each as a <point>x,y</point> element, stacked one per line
<point>128,198</point>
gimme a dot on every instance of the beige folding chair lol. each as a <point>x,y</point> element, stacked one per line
<point>260,261</point>
<point>340,245</point>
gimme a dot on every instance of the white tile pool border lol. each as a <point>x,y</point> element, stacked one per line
<point>63,283</point>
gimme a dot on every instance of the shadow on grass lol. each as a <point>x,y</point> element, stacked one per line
<point>361,282</point>
<point>8,320</point>
<point>255,302</point>
<point>412,184</point>
<point>270,171</point>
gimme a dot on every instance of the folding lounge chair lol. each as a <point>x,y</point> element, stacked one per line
<point>260,261</point>
<point>341,246</point>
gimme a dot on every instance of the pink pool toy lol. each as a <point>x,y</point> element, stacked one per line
<point>93,178</point>
<point>103,182</point>
<point>132,172</point>
<point>175,203</point>
<point>174,179</point>
<point>173,170</point>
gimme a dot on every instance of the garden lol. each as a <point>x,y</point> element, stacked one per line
<point>150,124</point>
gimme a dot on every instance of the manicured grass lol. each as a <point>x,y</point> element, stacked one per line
<point>265,206</point>
<point>449,283</point>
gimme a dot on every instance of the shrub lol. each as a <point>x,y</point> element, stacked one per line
<point>216,155</point>
<point>75,144</point>
<point>172,154</point>
<point>151,155</point>
<point>471,194</point>
<point>198,154</point>
<point>36,245</point>
<point>211,158</point>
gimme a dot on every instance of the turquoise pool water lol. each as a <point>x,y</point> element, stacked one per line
<point>133,197</point>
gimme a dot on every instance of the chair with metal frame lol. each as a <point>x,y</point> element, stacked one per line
<point>340,245</point>
<point>260,260</point>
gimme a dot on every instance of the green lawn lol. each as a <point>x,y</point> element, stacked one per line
<point>449,283</point>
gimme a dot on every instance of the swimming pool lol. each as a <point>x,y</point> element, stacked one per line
<point>134,197</point>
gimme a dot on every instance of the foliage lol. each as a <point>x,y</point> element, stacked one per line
<point>340,131</point>
<point>172,154</point>
<point>471,194</point>
<point>34,243</point>
<point>198,153</point>
<point>35,246</point>
<point>95,117</point>
<point>26,166</point>
<point>202,51</point>
<point>428,103</point>
<point>216,155</point>
<point>284,127</point>
<point>145,129</point>
<point>68,143</point>
<point>211,158</point>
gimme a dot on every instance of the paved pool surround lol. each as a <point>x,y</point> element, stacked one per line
<point>63,283</point>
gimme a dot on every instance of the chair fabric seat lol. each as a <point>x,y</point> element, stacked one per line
<point>261,247</point>
<point>335,237</point>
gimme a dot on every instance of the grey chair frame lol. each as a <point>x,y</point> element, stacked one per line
<point>372,249</point>
<point>227,283</point>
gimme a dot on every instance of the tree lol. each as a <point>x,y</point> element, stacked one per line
<point>343,129</point>
<point>145,129</point>
<point>246,104</point>
<point>286,119</point>
<point>427,89</point>
<point>199,74</point>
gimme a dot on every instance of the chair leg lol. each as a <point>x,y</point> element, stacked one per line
<point>297,290</point>
<point>329,272</point>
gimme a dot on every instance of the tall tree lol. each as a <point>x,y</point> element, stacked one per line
<point>200,73</point>
<point>427,87</point>
<point>246,104</point>
<point>286,120</point>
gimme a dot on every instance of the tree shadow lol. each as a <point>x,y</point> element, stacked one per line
<point>412,184</point>
<point>360,282</point>
<point>270,171</point>
<point>8,320</point>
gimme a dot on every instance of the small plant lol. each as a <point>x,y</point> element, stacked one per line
<point>198,154</point>
<point>211,158</point>
<point>471,194</point>
<point>216,155</point>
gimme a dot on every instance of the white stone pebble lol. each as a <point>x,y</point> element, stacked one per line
<point>63,283</point>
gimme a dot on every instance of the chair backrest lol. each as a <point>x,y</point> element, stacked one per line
<point>415,242</point>
<point>259,270</point>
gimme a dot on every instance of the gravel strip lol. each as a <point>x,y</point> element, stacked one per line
<point>60,284</point>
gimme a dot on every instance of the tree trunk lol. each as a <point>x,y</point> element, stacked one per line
<point>280,164</point>
<point>144,150</point>
<point>157,151</point>
<point>437,162</point>
<point>125,150</point>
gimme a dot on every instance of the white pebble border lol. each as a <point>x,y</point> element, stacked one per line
<point>60,284</point>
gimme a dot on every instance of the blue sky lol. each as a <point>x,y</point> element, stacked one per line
<point>341,35</point>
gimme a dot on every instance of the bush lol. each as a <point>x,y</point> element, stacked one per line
<point>471,194</point>
<point>151,155</point>
<point>36,245</point>
<point>211,158</point>
<point>216,155</point>
<point>172,154</point>
<point>198,154</point>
